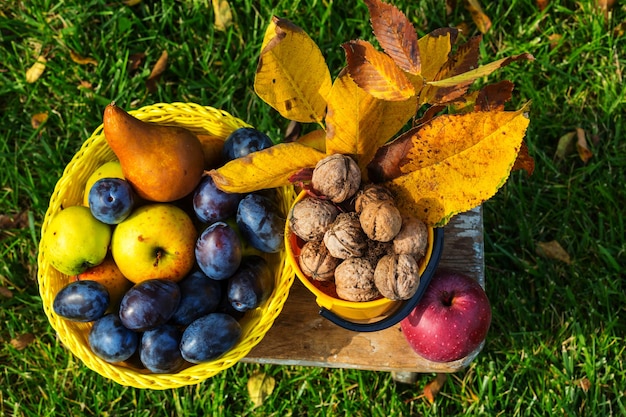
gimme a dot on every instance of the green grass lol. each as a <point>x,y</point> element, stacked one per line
<point>556,346</point>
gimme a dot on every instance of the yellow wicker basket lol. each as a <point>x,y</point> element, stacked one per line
<point>69,191</point>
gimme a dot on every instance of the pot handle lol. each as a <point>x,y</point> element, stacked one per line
<point>406,307</point>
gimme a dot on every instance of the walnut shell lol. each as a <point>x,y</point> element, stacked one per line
<point>397,276</point>
<point>311,217</point>
<point>345,239</point>
<point>381,220</point>
<point>337,176</point>
<point>354,280</point>
<point>371,193</point>
<point>412,239</point>
<point>316,262</point>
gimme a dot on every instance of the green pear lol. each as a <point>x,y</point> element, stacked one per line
<point>162,163</point>
<point>75,240</point>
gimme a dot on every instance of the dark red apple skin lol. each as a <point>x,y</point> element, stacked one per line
<point>451,320</point>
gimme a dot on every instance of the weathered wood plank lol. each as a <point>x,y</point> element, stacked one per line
<point>300,336</point>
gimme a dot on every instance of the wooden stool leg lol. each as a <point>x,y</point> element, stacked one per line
<point>404,377</point>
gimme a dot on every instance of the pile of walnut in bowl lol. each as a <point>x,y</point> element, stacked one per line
<point>355,236</point>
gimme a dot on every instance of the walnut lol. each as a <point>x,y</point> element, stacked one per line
<point>345,239</point>
<point>316,262</point>
<point>397,276</point>
<point>371,193</point>
<point>376,250</point>
<point>311,217</point>
<point>381,220</point>
<point>412,239</point>
<point>337,176</point>
<point>354,280</point>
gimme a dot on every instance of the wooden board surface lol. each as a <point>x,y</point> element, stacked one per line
<point>300,336</point>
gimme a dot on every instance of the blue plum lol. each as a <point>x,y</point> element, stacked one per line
<point>111,341</point>
<point>261,223</point>
<point>159,349</point>
<point>218,251</point>
<point>209,337</point>
<point>251,285</point>
<point>111,200</point>
<point>149,304</point>
<point>212,204</point>
<point>82,301</point>
<point>244,141</point>
<point>199,296</point>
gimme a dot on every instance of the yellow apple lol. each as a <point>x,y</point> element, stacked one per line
<point>75,240</point>
<point>155,241</point>
<point>111,169</point>
<point>108,274</point>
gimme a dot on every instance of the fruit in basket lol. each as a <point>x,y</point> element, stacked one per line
<point>209,337</point>
<point>218,251</point>
<point>163,163</point>
<point>260,223</point>
<point>212,204</point>
<point>111,169</point>
<point>108,274</point>
<point>337,177</point>
<point>82,301</point>
<point>111,200</point>
<point>75,240</point>
<point>159,351</point>
<point>149,304</point>
<point>111,341</point>
<point>251,285</point>
<point>244,141</point>
<point>199,295</point>
<point>451,320</point>
<point>156,241</point>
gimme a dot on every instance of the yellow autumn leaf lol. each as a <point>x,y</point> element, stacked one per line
<point>457,162</point>
<point>35,71</point>
<point>292,75</point>
<point>357,123</point>
<point>268,168</point>
<point>434,48</point>
<point>82,60</point>
<point>315,139</point>
<point>260,386</point>
<point>223,14</point>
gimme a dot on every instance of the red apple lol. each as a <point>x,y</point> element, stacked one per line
<point>451,320</point>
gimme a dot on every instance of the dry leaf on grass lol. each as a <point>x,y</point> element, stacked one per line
<point>38,119</point>
<point>482,21</point>
<point>35,71</point>
<point>433,387</point>
<point>260,386</point>
<point>542,4</point>
<point>134,60</point>
<point>157,70</point>
<point>581,146</point>
<point>82,60</point>
<point>553,250</point>
<point>18,221</point>
<point>223,14</point>
<point>21,342</point>
<point>6,293</point>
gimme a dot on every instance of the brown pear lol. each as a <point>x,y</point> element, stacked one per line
<point>163,163</point>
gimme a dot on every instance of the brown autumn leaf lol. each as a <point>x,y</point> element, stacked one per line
<point>605,6</point>
<point>433,387</point>
<point>494,96</point>
<point>82,60</point>
<point>36,70</point>
<point>134,61</point>
<point>581,146</point>
<point>157,70</point>
<point>554,40</point>
<point>542,4</point>
<point>553,250</point>
<point>395,34</point>
<point>18,221</point>
<point>38,119</point>
<point>22,341</point>
<point>482,21</point>
<point>223,14</point>
<point>131,2</point>
<point>450,6</point>
<point>524,161</point>
<point>376,72</point>
<point>5,292</point>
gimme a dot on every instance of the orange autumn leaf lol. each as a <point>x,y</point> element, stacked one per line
<point>157,70</point>
<point>584,152</point>
<point>292,75</point>
<point>38,119</point>
<point>396,35</point>
<point>433,387</point>
<point>482,21</point>
<point>268,168</point>
<point>456,162</point>
<point>357,123</point>
<point>376,72</point>
<point>553,250</point>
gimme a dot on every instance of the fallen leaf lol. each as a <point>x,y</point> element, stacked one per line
<point>18,221</point>
<point>22,341</point>
<point>494,96</point>
<point>395,34</point>
<point>131,2</point>
<point>542,4</point>
<point>5,292</point>
<point>553,250</point>
<point>260,386</point>
<point>581,146</point>
<point>223,14</point>
<point>605,6</point>
<point>86,85</point>
<point>134,60</point>
<point>157,70</point>
<point>565,145</point>
<point>482,21</point>
<point>524,160</point>
<point>584,384</point>
<point>450,6</point>
<point>79,59</point>
<point>292,75</point>
<point>554,40</point>
<point>433,387</point>
<point>35,71</point>
<point>38,119</point>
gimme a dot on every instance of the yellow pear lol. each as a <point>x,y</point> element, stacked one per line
<point>111,169</point>
<point>163,163</point>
